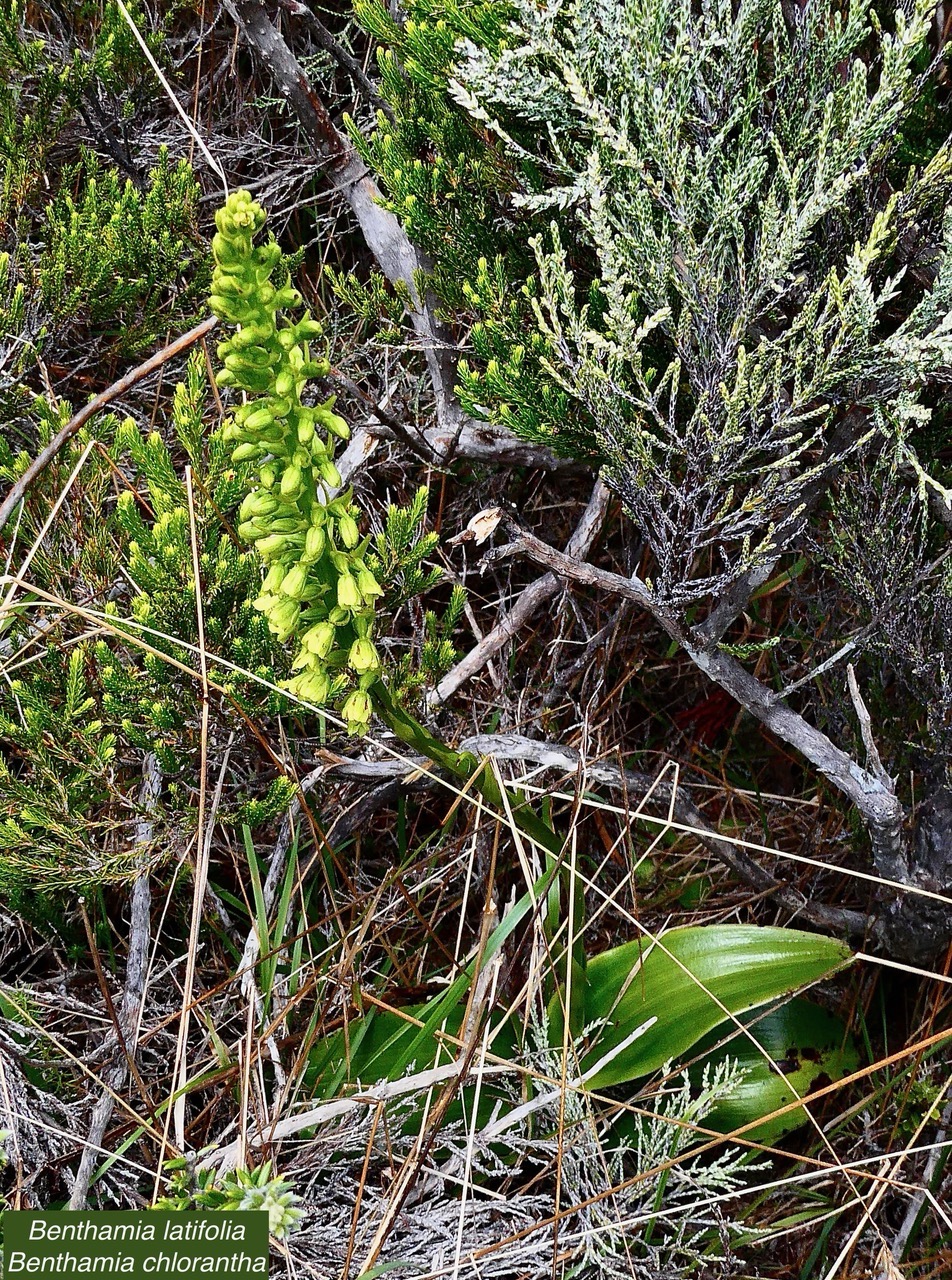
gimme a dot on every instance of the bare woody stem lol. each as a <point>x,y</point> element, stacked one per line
<point>873,796</point>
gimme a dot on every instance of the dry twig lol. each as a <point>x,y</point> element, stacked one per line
<point>529,601</point>
<point>399,260</point>
<point>137,964</point>
<point>875,799</point>
<point>96,405</point>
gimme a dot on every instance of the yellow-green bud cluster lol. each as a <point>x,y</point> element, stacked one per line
<point>318,588</point>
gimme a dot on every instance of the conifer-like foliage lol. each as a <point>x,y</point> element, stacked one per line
<point>718,306</point>
<point>55,776</point>
<point>99,261</point>
<point>125,263</point>
<point>664,283</point>
<point>79,715</point>
<point>155,523</point>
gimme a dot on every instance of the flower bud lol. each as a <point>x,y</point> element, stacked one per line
<point>295,582</point>
<point>272,545</point>
<point>260,420</point>
<point>319,639</point>
<point>308,328</point>
<point>292,483</point>
<point>260,503</point>
<point>251,335</point>
<point>348,531</point>
<point>273,579</point>
<point>329,473</point>
<point>314,543</point>
<point>357,712</point>
<point>336,425</point>
<point>283,619</point>
<point>368,584</point>
<point>348,596</point>
<point>312,686</point>
<point>364,657</point>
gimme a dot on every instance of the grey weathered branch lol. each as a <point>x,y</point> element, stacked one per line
<point>866,728</point>
<point>341,56</point>
<point>96,405</point>
<point>225,1158</point>
<point>874,797</point>
<point>133,995</point>
<point>486,442</point>
<point>658,794</point>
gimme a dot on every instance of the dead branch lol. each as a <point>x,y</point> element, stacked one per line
<point>399,260</point>
<point>133,996</point>
<point>658,795</point>
<point>866,727</point>
<point>875,798</point>
<point>226,1157</point>
<point>341,56</point>
<point>601,639</point>
<point>529,601</point>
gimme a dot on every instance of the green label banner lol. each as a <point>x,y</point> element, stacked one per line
<point>151,1245</point>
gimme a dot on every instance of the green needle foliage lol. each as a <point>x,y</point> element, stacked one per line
<point>154,522</point>
<point>56,771</point>
<point>97,263</point>
<point>126,263</point>
<point>78,716</point>
<point>45,84</point>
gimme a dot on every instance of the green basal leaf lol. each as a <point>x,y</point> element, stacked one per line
<point>684,985</point>
<point>811,1048</point>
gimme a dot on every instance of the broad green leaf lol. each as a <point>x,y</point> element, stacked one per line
<point>685,984</point>
<point>811,1048</point>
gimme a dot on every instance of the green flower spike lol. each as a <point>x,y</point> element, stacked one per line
<point>317,588</point>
